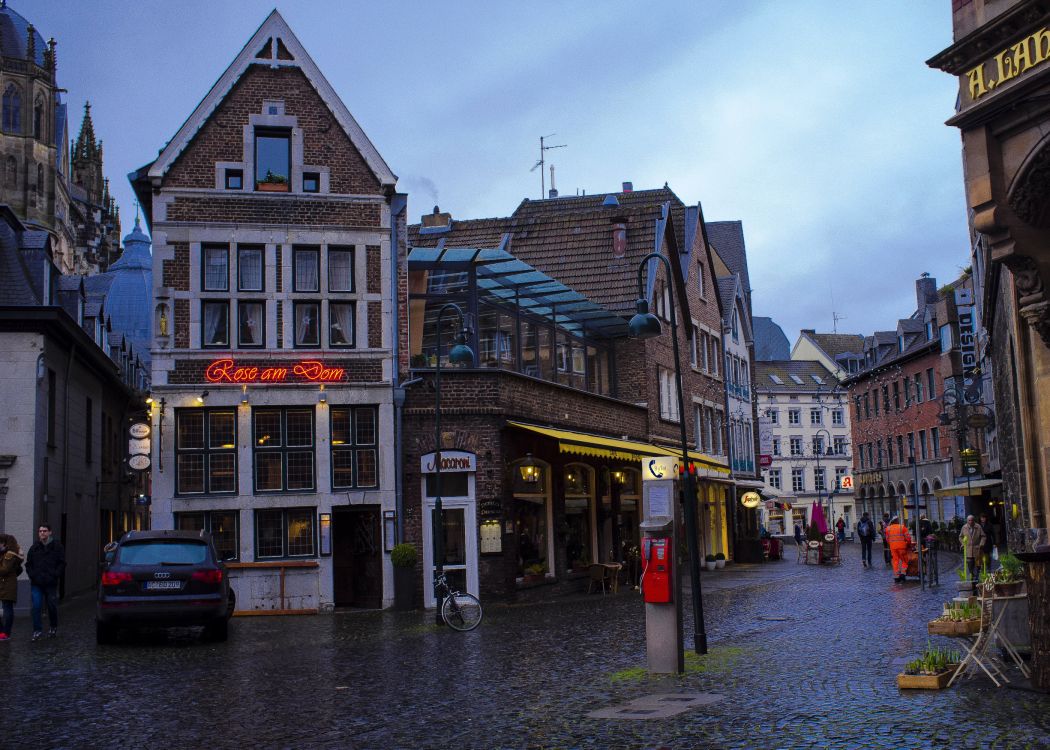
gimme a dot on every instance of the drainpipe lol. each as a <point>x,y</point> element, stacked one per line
<point>65,431</point>
<point>729,441</point>
<point>398,206</point>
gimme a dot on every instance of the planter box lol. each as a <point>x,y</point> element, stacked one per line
<point>272,187</point>
<point>404,588</point>
<point>953,629</point>
<point>926,681</point>
<point>1008,589</point>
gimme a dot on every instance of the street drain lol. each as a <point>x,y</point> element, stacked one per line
<point>659,706</point>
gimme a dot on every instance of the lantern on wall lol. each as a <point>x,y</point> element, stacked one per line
<point>530,472</point>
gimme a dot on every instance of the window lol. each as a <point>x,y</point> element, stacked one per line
<point>354,445</point>
<point>700,278</point>
<point>900,449</point>
<point>935,439</point>
<point>234,179</point>
<point>38,119</point>
<point>794,416</point>
<point>798,480</point>
<point>285,532</point>
<point>89,431</point>
<point>922,445</point>
<point>896,395</point>
<point>818,445</point>
<point>311,182</point>
<point>818,479</point>
<point>907,392</point>
<point>796,446</point>
<point>838,417</point>
<point>815,417</point>
<point>774,416</point>
<point>340,269</point>
<point>703,352</point>
<point>946,339</point>
<point>694,346</point>
<point>283,442</point>
<point>876,405</point>
<point>931,385</point>
<point>840,445</point>
<point>867,405</point>
<point>12,110</point>
<point>668,395</point>
<point>221,524</point>
<point>918,388</point>
<point>889,450</point>
<point>273,156</point>
<point>215,322</point>
<point>774,478</point>
<point>712,356</point>
<point>216,268</point>
<point>776,446</point>
<point>251,323</point>
<point>340,324</point>
<point>307,327</point>
<point>911,445</point>
<point>205,451</point>
<point>716,432</point>
<point>250,268</point>
<point>307,263</point>
<point>840,471</point>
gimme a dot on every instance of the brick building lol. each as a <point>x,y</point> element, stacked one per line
<point>544,438</point>
<point>275,227</point>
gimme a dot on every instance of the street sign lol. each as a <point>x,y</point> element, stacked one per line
<point>971,460</point>
<point>765,461</point>
<point>846,482</point>
<point>139,430</point>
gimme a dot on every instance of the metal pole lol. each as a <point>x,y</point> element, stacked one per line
<point>915,497</point>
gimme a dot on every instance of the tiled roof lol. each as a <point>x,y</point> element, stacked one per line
<point>783,369</point>
<point>727,237</point>
<point>34,239</point>
<point>15,286</point>
<point>727,293</point>
<point>834,344</point>
<point>770,341</point>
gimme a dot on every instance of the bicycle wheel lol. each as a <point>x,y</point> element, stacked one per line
<point>461,611</point>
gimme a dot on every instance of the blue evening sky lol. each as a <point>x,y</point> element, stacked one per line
<point>817,124</point>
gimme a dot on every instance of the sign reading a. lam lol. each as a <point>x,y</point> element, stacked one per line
<point>1030,52</point>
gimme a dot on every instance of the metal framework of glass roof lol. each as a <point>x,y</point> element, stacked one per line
<point>514,281</point>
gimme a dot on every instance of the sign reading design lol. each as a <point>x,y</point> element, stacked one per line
<point>227,371</point>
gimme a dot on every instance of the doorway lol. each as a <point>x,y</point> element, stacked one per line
<point>357,558</point>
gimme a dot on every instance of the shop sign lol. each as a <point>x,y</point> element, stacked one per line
<point>139,430</point>
<point>450,461</point>
<point>751,500</point>
<point>967,340</point>
<point>1030,52</point>
<point>659,467</point>
<point>227,371</point>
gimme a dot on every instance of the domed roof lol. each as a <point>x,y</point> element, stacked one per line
<point>129,300</point>
<point>13,33</point>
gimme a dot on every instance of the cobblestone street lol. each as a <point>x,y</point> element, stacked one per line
<point>804,656</point>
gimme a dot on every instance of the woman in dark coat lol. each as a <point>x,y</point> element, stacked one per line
<point>10,567</point>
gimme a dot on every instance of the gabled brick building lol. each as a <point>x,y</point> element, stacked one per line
<point>549,429</point>
<point>275,226</point>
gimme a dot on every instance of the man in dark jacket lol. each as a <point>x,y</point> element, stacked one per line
<point>866,533</point>
<point>45,564</point>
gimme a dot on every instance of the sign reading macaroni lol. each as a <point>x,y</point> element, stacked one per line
<point>1030,52</point>
<point>227,371</point>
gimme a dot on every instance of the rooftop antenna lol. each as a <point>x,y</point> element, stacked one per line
<point>835,317</point>
<point>542,161</point>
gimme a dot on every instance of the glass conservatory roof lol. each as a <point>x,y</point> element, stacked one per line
<point>501,275</point>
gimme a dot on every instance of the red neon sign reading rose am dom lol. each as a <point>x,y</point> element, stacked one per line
<point>227,371</point>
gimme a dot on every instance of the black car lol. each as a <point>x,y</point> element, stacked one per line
<point>163,579</point>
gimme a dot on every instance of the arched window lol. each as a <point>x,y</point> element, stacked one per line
<point>38,119</point>
<point>12,109</point>
<point>12,172</point>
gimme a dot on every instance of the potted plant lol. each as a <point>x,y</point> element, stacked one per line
<point>272,183</point>
<point>932,671</point>
<point>534,573</point>
<point>403,558</point>
<point>957,619</point>
<point>710,563</point>
<point>965,584</point>
<point>720,560</point>
<point>1008,580</point>
<point>417,360</point>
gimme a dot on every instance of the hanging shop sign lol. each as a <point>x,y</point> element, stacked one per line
<point>1030,52</point>
<point>312,371</point>
<point>450,461</point>
<point>967,329</point>
<point>751,500</point>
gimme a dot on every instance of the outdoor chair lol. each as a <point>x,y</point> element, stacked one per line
<point>597,575</point>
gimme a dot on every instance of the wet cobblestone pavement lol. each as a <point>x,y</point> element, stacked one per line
<point>804,656</point>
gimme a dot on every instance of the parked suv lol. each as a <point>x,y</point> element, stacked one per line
<point>163,579</point>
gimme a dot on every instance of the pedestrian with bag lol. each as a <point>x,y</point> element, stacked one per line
<point>841,526</point>
<point>989,542</point>
<point>971,536</point>
<point>45,564</point>
<point>10,569</point>
<point>866,534</point>
<point>899,539</point>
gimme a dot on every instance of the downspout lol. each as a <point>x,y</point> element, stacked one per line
<point>398,206</point>
<point>729,440</point>
<point>65,450</point>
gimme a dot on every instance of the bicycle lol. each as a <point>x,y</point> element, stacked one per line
<point>459,610</point>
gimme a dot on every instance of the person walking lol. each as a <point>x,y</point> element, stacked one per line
<point>882,532</point>
<point>45,564</point>
<point>899,539</point>
<point>798,534</point>
<point>989,542</point>
<point>841,526</point>
<point>971,536</point>
<point>866,534</point>
<point>10,569</point>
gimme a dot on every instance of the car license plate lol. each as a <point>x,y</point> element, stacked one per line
<point>163,584</point>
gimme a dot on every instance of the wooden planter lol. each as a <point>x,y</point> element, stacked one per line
<point>272,187</point>
<point>937,681</point>
<point>953,628</point>
<point>1008,589</point>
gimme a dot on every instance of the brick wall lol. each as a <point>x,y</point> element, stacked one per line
<point>279,260</point>
<point>375,325</point>
<point>176,271</point>
<point>280,323</point>
<point>181,320</point>
<point>221,137</point>
<point>373,269</point>
<point>270,210</point>
<point>191,371</point>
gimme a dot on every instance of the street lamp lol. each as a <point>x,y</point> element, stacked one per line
<point>820,449</point>
<point>459,354</point>
<point>645,325</point>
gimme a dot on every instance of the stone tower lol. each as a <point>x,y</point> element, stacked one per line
<point>87,161</point>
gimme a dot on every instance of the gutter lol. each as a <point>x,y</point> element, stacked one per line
<point>398,206</point>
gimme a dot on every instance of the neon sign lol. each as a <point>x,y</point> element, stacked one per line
<point>226,371</point>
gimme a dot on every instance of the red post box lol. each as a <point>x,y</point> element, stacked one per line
<point>656,571</point>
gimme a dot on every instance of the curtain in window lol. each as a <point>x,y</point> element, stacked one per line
<point>215,275</point>
<point>340,270</point>
<point>306,271</point>
<point>306,325</point>
<point>250,265</point>
<point>251,323</point>
<point>215,324</point>
<point>342,324</point>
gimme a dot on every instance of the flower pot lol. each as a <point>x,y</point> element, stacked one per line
<point>720,564</point>
<point>272,187</point>
<point>926,681</point>
<point>964,585</point>
<point>711,565</point>
<point>1008,589</point>
<point>404,588</point>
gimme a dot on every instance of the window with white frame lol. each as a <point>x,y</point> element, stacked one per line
<point>774,416</point>
<point>668,395</point>
<point>840,445</point>
<point>818,479</point>
<point>818,445</point>
<point>794,416</point>
<point>837,417</point>
<point>816,416</point>
<point>776,446</point>
<point>694,347</point>
<point>774,479</point>
<point>284,450</point>
<point>840,471</point>
<point>796,446</point>
<point>798,480</point>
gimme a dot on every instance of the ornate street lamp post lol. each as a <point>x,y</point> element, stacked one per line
<point>459,354</point>
<point>645,325</point>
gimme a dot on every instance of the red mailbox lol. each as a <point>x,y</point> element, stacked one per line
<point>656,570</point>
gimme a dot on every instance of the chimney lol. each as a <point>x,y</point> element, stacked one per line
<point>553,192</point>
<point>628,187</point>
<point>437,219</point>
<point>925,291</point>
<point>810,331</point>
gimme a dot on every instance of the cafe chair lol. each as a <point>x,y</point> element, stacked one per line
<point>597,575</point>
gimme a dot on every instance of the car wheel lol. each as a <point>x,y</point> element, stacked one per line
<point>217,630</point>
<point>105,634</point>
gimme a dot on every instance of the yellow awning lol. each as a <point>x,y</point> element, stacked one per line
<point>584,444</point>
<point>968,489</point>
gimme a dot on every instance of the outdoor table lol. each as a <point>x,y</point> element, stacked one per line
<point>977,656</point>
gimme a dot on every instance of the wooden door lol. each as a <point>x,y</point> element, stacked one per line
<point>357,558</point>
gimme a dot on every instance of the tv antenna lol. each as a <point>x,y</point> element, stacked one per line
<point>835,317</point>
<point>542,161</point>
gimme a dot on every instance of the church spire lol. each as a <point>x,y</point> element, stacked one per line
<point>86,147</point>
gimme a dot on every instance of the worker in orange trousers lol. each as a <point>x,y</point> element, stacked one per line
<point>900,542</point>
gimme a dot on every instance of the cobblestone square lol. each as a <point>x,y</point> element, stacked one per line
<point>803,657</point>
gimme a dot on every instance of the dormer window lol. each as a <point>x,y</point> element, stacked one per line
<point>273,159</point>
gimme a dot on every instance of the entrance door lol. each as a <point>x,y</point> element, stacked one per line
<point>461,546</point>
<point>357,569</point>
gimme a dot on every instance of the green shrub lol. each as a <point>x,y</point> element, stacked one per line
<point>710,558</point>
<point>403,556</point>
<point>720,556</point>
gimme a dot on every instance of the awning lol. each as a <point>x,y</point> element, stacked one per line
<point>968,489</point>
<point>585,444</point>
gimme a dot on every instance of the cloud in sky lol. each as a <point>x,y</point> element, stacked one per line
<point>817,124</point>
